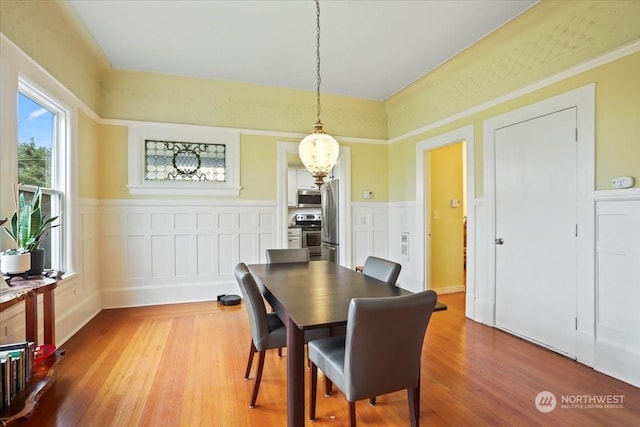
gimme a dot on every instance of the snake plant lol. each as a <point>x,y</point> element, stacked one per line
<point>28,226</point>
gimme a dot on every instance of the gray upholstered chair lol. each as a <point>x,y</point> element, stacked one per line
<point>380,353</point>
<point>378,268</point>
<point>277,256</point>
<point>287,255</point>
<point>267,331</point>
<point>381,269</point>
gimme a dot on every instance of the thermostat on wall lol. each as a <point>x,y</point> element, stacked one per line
<point>622,182</point>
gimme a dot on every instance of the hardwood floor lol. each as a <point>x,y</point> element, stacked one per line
<point>183,365</point>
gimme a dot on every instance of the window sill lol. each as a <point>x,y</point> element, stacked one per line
<point>182,189</point>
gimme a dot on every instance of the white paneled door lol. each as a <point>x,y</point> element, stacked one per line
<point>536,203</point>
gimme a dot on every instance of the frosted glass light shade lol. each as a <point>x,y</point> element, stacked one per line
<point>319,153</point>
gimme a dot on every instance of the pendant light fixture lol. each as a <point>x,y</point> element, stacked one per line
<point>318,151</point>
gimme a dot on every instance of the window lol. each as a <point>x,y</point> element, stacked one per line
<point>42,126</point>
<point>185,160</point>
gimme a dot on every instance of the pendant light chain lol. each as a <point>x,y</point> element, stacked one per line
<point>318,58</point>
<point>318,151</point>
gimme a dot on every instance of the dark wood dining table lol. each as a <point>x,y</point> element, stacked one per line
<point>311,295</point>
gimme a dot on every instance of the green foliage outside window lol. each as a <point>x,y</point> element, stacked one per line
<point>34,164</point>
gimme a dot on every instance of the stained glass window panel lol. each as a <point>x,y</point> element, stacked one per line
<point>184,161</point>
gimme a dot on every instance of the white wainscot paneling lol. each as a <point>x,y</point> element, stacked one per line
<point>183,255</point>
<point>206,255</point>
<point>77,297</point>
<point>137,257</point>
<point>482,294</point>
<point>179,252</point>
<point>370,231</point>
<point>161,257</point>
<point>617,350</point>
<point>402,219</point>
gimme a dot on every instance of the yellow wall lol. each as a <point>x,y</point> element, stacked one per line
<point>545,40</point>
<point>446,182</point>
<point>113,162</point>
<point>617,127</point>
<point>88,161</point>
<point>550,37</point>
<point>369,171</point>
<point>51,34</point>
<point>145,96</point>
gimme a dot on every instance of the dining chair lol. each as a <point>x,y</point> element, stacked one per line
<point>382,269</point>
<point>277,256</point>
<point>378,268</point>
<point>380,353</point>
<point>267,331</point>
<point>287,255</point>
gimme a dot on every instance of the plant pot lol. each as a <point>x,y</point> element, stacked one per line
<point>15,263</point>
<point>37,262</point>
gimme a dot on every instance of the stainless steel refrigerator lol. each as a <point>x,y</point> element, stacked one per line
<point>330,225</point>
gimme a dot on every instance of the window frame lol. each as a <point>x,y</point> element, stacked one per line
<point>60,259</point>
<point>142,131</point>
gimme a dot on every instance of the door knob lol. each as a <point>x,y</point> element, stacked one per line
<point>499,241</point>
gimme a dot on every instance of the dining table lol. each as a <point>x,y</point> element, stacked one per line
<point>308,295</point>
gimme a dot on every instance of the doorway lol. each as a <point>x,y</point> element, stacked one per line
<point>465,137</point>
<point>446,218</point>
<point>284,151</point>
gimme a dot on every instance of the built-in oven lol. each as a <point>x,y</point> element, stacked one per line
<point>311,225</point>
<point>308,199</point>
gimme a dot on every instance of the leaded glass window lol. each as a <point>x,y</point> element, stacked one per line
<point>184,161</point>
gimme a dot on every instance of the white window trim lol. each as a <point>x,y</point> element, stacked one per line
<point>141,131</point>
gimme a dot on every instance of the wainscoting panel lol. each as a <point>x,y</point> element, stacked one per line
<point>369,230</point>
<point>161,252</point>
<point>402,219</point>
<point>617,347</point>
<point>482,296</point>
<point>77,297</point>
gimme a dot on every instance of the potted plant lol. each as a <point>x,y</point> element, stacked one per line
<point>14,261</point>
<point>27,228</point>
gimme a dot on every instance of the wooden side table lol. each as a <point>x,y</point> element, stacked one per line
<point>27,290</point>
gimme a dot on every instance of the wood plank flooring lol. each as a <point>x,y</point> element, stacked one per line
<point>183,365</point>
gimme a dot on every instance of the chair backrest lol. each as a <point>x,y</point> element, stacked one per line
<point>382,269</point>
<point>384,343</point>
<point>255,304</point>
<point>287,255</point>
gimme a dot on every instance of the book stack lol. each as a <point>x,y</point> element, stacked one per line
<point>16,369</point>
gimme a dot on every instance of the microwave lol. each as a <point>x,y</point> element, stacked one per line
<point>308,198</point>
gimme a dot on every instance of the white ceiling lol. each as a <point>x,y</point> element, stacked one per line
<point>369,49</point>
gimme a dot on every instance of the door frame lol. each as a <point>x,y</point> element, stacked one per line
<point>583,99</point>
<point>282,220</point>
<point>464,134</point>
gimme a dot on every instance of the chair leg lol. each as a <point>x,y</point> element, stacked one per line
<point>413,395</point>
<point>256,386</point>
<point>328,386</point>
<point>280,352</point>
<point>312,392</point>
<point>252,350</point>
<point>372,401</point>
<point>352,414</point>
